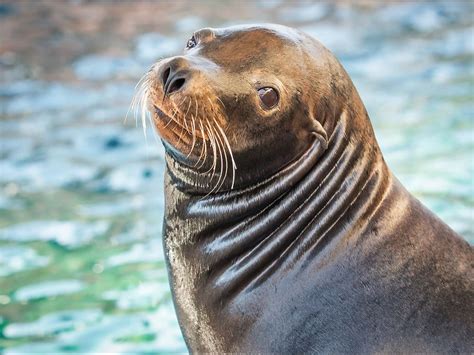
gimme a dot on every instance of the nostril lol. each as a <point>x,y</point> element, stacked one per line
<point>165,75</point>
<point>176,84</point>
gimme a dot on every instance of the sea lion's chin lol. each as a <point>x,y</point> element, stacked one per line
<point>177,139</point>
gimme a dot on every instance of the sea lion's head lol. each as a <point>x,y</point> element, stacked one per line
<point>243,102</point>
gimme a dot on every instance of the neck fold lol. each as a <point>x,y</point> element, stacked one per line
<point>238,237</point>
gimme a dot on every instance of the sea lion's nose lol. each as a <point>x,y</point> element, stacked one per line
<point>174,75</point>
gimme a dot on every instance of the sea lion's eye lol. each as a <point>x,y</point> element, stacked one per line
<point>268,96</point>
<point>191,43</point>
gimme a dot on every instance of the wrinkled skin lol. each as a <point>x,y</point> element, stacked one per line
<point>315,247</point>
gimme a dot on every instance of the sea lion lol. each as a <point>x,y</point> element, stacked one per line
<point>284,229</point>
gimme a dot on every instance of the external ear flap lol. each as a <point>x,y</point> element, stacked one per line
<point>320,131</point>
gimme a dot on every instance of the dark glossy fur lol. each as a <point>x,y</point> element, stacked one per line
<point>318,247</point>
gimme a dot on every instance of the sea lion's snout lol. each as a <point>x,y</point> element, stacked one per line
<point>184,105</point>
<point>174,74</point>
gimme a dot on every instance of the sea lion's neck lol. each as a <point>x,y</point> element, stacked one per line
<point>235,240</point>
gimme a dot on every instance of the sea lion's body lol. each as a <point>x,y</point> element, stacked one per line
<point>316,247</point>
<point>353,266</point>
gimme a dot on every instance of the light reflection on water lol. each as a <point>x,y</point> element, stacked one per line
<point>81,262</point>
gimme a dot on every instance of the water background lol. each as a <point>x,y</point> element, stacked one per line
<point>81,191</point>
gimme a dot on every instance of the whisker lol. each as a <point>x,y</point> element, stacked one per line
<point>193,125</point>
<point>144,111</point>
<point>138,92</point>
<point>212,141</point>
<point>186,114</point>
<point>229,149</point>
<point>220,102</point>
<point>217,186</point>
<point>183,127</point>
<point>226,143</point>
<point>203,153</point>
<point>171,118</point>
<point>226,165</point>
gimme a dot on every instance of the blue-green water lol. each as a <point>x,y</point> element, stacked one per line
<point>81,262</point>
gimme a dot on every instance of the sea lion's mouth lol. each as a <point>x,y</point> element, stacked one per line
<point>173,123</point>
<point>160,113</point>
<point>163,116</point>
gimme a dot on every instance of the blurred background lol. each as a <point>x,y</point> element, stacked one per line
<point>81,189</point>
